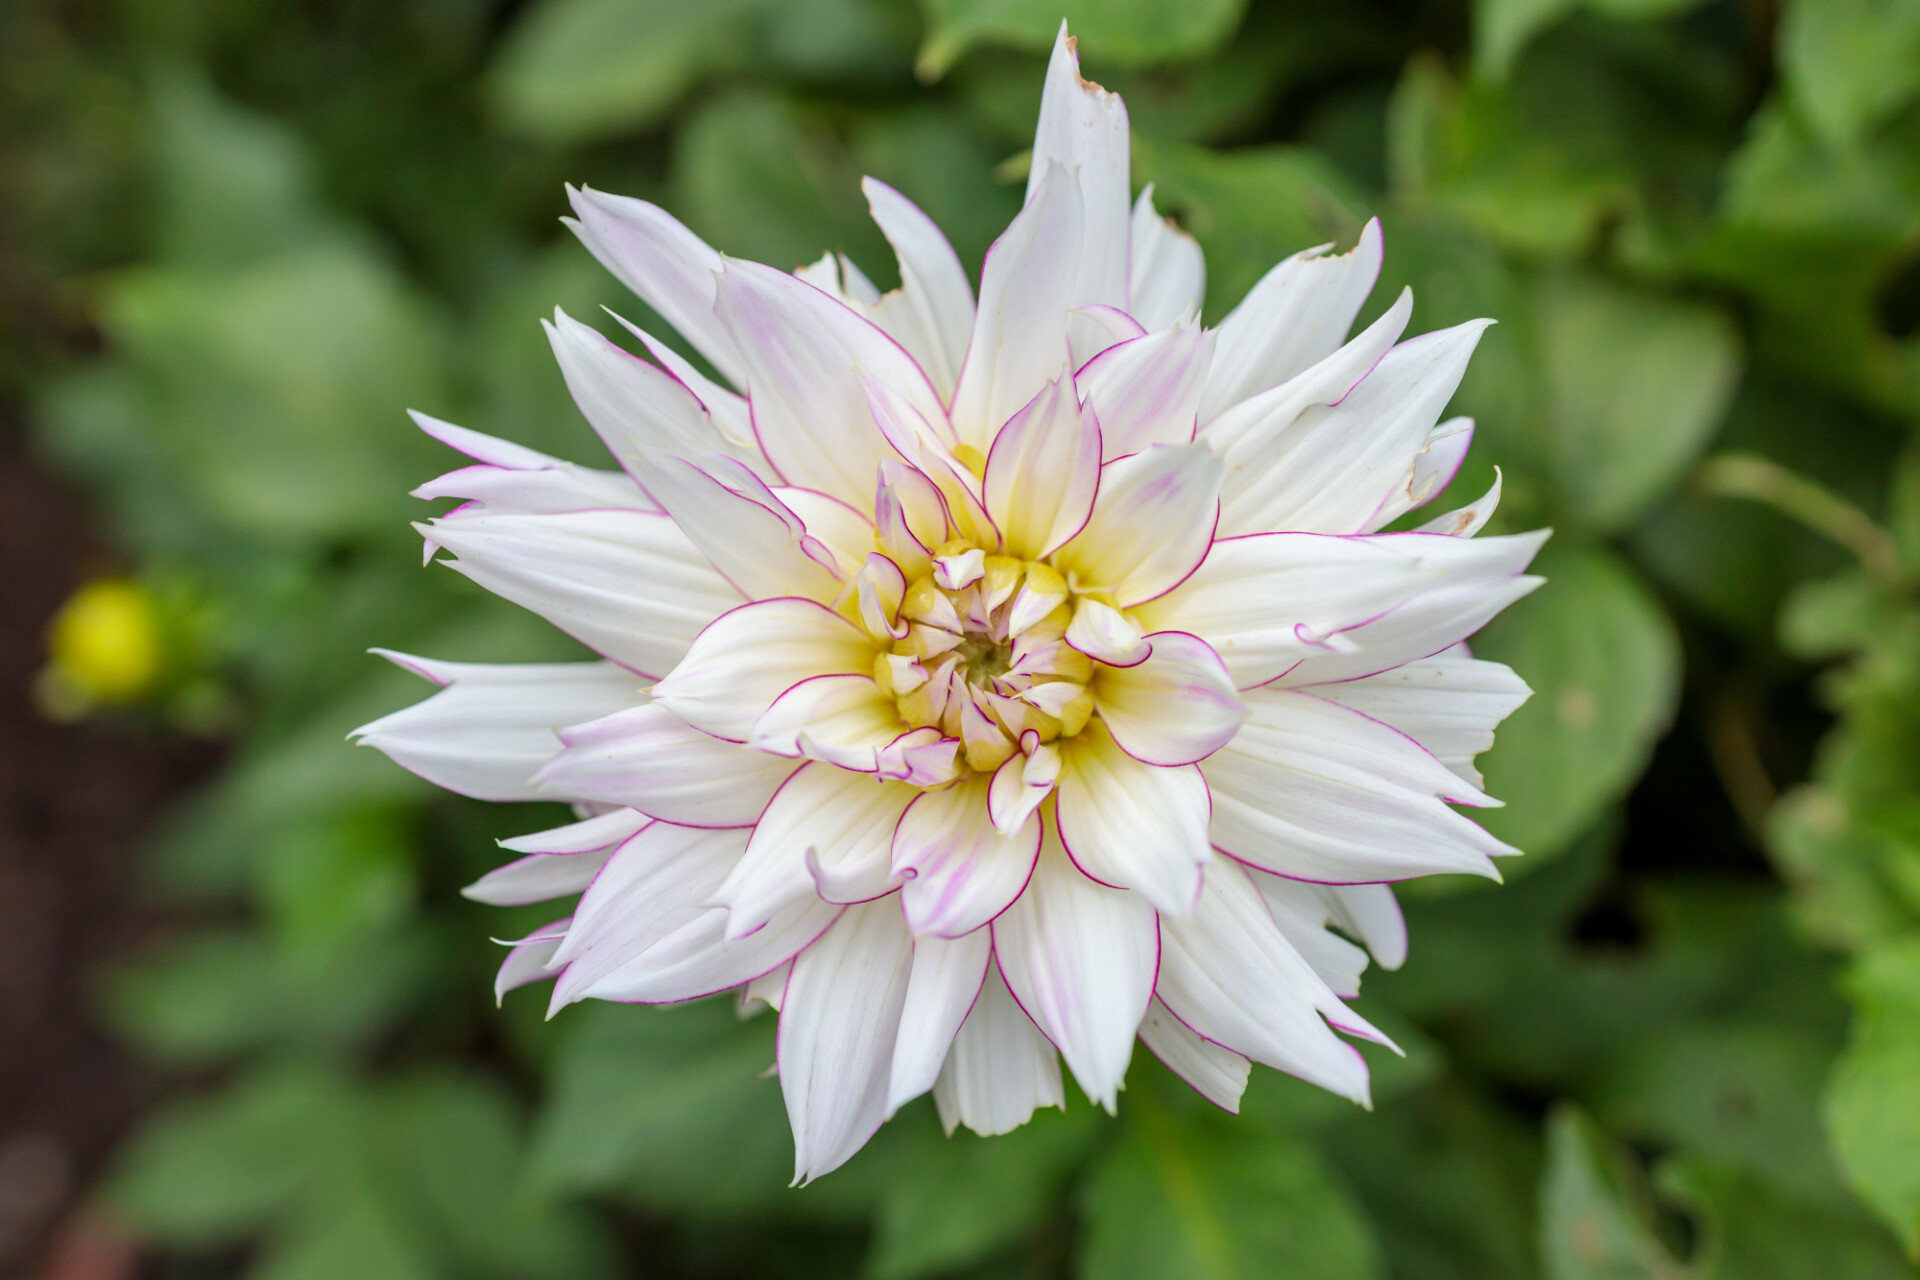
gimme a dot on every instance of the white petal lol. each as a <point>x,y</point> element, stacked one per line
<point>1147,391</point>
<point>1027,285</point>
<point>1133,825</point>
<point>1463,584</point>
<point>538,877</point>
<point>769,989</point>
<point>633,405</point>
<point>838,1025</point>
<point>1303,913</point>
<point>491,727</point>
<point>1269,601</point>
<point>1169,273</point>
<point>1428,476</point>
<point>747,658</point>
<point>1230,975</point>
<point>1021,785</point>
<point>671,269</point>
<point>1217,1074</point>
<point>960,871</point>
<point>1332,467</point>
<point>1311,790</point>
<point>756,541</point>
<point>513,479</point>
<point>1449,704</point>
<point>590,835</point>
<point>625,583</point>
<point>805,354</point>
<point>1370,913</point>
<point>1298,314</point>
<point>527,962</point>
<point>651,760</point>
<point>728,409</point>
<point>1043,472</point>
<point>1176,707</point>
<point>1106,635</point>
<point>1468,520</point>
<point>1083,130</point>
<point>840,528</point>
<point>1151,524</point>
<point>1080,958</point>
<point>931,313</point>
<point>644,934</point>
<point>848,819</point>
<point>1000,1068</point>
<point>846,720</point>
<point>946,981</point>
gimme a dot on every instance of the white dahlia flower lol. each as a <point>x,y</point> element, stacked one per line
<point>986,682</point>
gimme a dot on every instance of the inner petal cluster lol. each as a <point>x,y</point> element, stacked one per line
<point>982,656</point>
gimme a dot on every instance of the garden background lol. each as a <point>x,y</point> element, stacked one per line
<point>246,1025</point>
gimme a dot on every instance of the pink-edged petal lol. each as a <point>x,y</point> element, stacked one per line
<point>922,758</point>
<point>1268,602</point>
<point>633,404</point>
<point>1468,520</point>
<point>1169,273</point>
<point>756,541</point>
<point>672,270</point>
<point>538,877</point>
<point>1147,391</point>
<point>1303,913</point>
<point>1080,958</point>
<point>644,934</point>
<point>747,658</point>
<point>805,355</point>
<point>1151,524</point>
<point>1312,790</point>
<point>1297,315</point>
<point>589,835</point>
<point>626,583</point>
<point>1106,635</point>
<point>651,760</point>
<point>1331,467</point>
<point>491,727</point>
<point>1000,1069</point>
<point>1083,130</point>
<point>1217,1074</point>
<point>1043,472</point>
<point>1370,913</point>
<point>846,820</point>
<point>838,1025</point>
<point>1463,584</point>
<point>843,719</point>
<point>1133,825</point>
<point>728,409</point>
<point>1428,476</point>
<point>1230,975</point>
<point>1450,704</point>
<point>946,981</point>
<point>959,871</point>
<point>931,313</point>
<point>839,535</point>
<point>511,479</point>
<point>1176,707</point>
<point>1027,284</point>
<point>527,962</point>
<point>1022,784</point>
<point>930,454</point>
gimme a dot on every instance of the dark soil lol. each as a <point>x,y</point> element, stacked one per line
<point>75,802</point>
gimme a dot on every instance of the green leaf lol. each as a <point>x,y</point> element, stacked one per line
<point>1752,1231</point>
<point>1604,664</point>
<point>957,1200</point>
<point>1851,63</point>
<point>1873,1101</point>
<point>1636,386</point>
<point>1501,28</point>
<point>1595,1223</point>
<point>367,1238</point>
<point>207,1171</point>
<point>1134,32</point>
<point>1213,1198</point>
<point>575,69</point>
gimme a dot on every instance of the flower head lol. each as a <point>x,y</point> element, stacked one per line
<point>986,683</point>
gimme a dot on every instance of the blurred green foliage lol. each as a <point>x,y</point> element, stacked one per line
<point>1684,1041</point>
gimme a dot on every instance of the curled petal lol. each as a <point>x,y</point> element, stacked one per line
<point>1176,707</point>
<point>748,657</point>
<point>1151,524</point>
<point>1043,472</point>
<point>960,871</point>
<point>844,720</point>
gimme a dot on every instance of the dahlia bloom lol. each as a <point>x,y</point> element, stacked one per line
<point>985,682</point>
